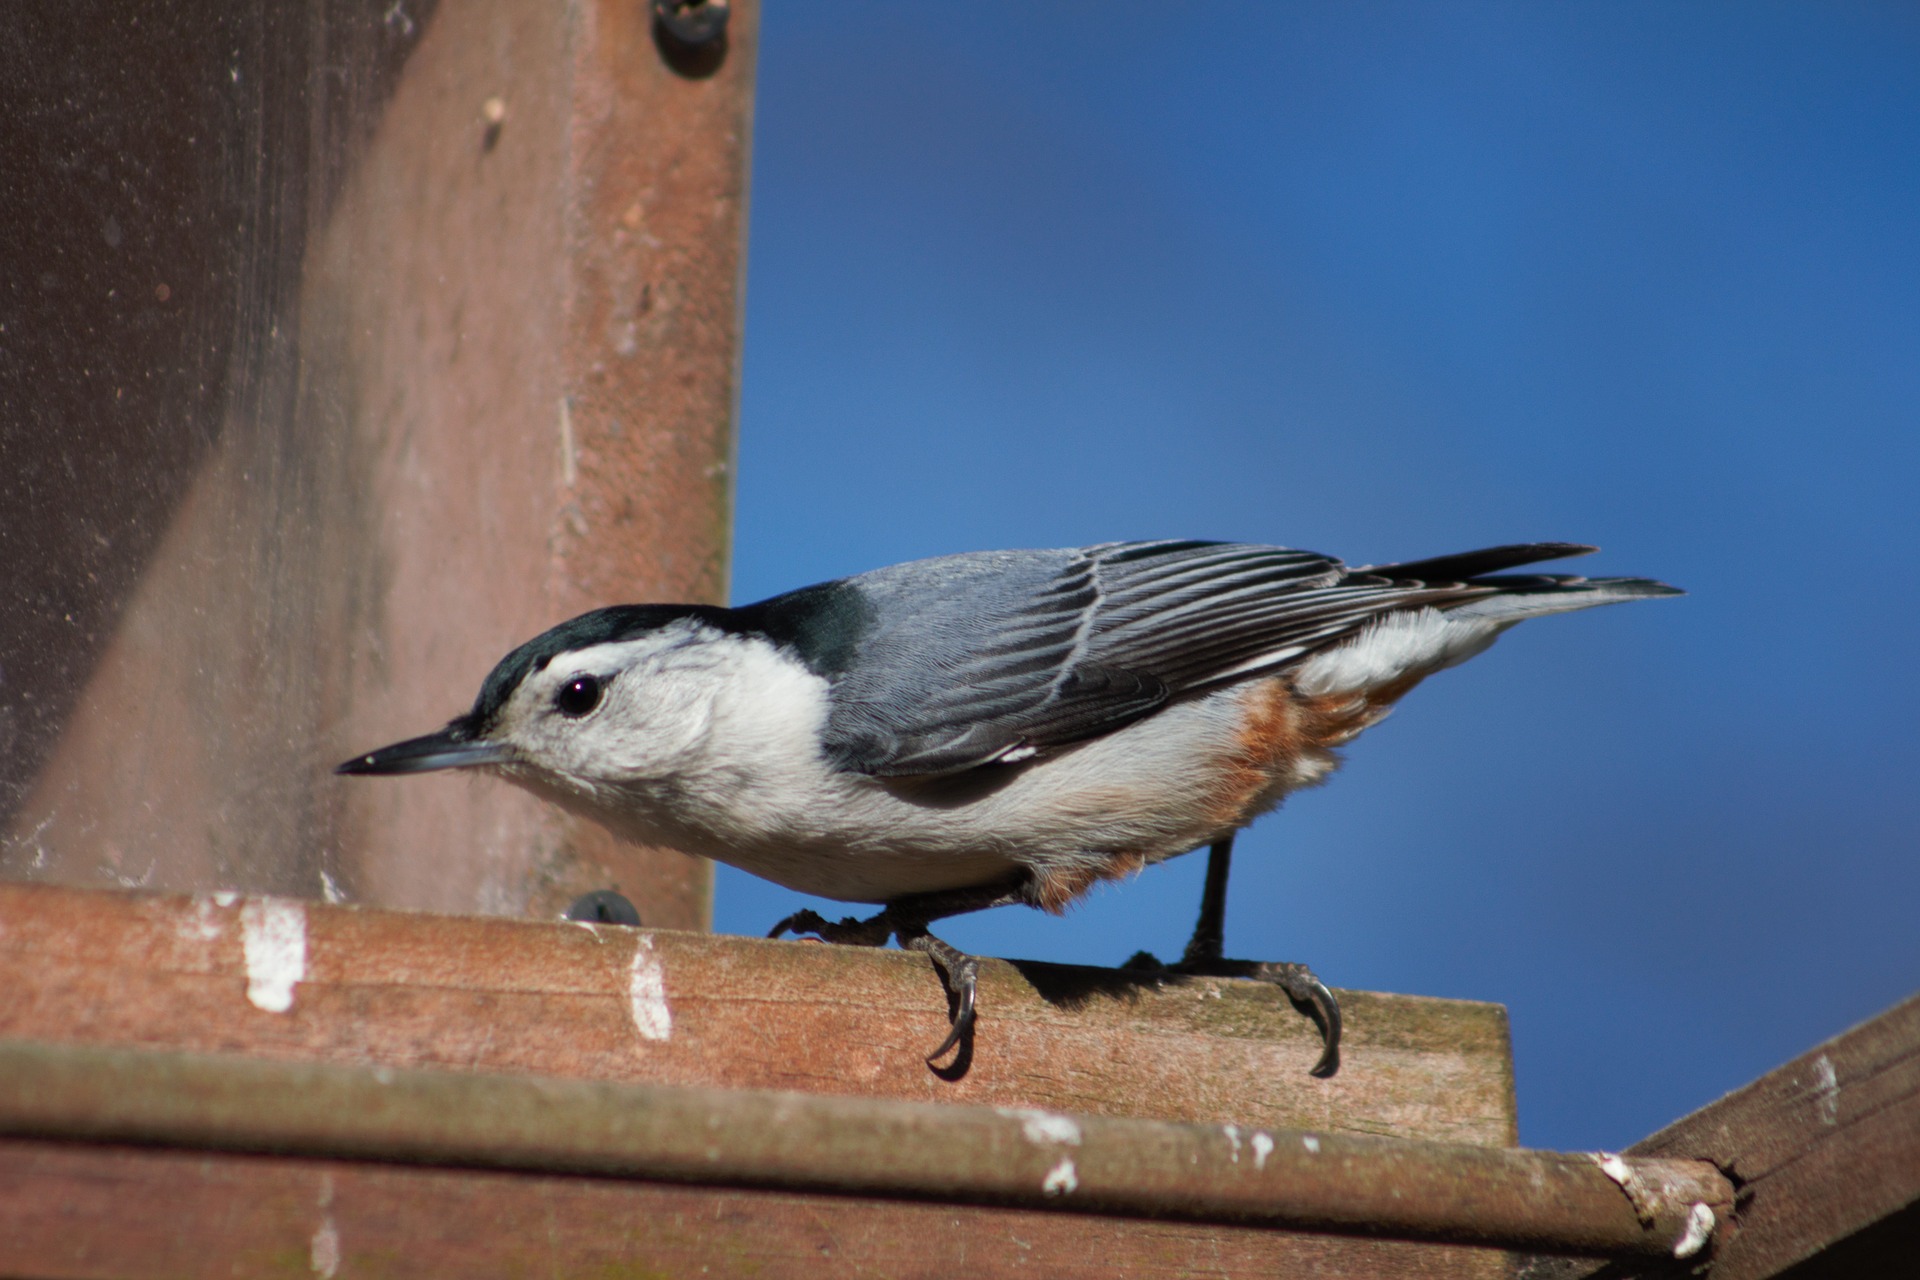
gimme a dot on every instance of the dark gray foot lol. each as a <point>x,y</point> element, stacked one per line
<point>1302,986</point>
<point>871,932</point>
<point>962,973</point>
<point>1202,958</point>
<point>907,919</point>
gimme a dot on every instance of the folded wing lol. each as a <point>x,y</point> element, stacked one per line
<point>997,657</point>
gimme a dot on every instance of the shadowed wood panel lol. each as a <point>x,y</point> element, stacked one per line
<point>480,328</point>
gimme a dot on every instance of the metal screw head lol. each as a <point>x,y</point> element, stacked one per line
<point>692,22</point>
<point>603,906</point>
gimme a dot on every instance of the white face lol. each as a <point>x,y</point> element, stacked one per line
<point>616,714</point>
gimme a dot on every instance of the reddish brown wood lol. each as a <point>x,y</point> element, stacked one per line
<point>89,1213</point>
<point>1393,1188</point>
<point>486,380</point>
<point>167,971</point>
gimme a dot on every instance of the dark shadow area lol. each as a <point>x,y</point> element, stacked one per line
<point>1887,1248</point>
<point>1072,987</point>
<point>160,175</point>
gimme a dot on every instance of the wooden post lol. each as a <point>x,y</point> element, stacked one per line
<point>481,377</point>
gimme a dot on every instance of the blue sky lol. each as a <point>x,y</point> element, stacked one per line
<point>1388,281</point>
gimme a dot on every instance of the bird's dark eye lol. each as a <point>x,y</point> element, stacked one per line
<point>578,696</point>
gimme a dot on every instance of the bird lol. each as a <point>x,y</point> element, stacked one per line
<point>990,728</point>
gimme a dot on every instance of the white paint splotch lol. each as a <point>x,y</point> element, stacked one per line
<point>1699,1230</point>
<point>1826,1090</point>
<point>1645,1199</point>
<point>204,923</point>
<point>1049,1129</point>
<point>1044,1127</point>
<point>273,933</point>
<point>647,992</point>
<point>1614,1167</point>
<point>1262,1143</point>
<point>323,1251</point>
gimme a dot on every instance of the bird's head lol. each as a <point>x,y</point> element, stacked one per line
<point>612,698</point>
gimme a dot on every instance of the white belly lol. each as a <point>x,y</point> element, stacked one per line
<point>1136,793</point>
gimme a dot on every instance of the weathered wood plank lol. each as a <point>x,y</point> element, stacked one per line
<point>1437,1192</point>
<point>1825,1154</point>
<point>1822,1148</point>
<point>72,1212</point>
<point>568,1000</point>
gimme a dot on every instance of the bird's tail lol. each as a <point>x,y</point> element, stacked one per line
<point>1515,596</point>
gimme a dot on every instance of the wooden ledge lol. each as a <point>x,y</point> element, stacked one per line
<point>1024,1157</point>
<point>337,1003</point>
<point>290,980</point>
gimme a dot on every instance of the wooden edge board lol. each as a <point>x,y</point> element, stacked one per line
<point>1823,1153</point>
<point>294,980</point>
<point>75,1211</point>
<point>1029,1158</point>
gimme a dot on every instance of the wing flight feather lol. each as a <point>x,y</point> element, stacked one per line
<point>978,659</point>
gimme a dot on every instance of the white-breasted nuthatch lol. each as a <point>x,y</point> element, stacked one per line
<point>998,727</point>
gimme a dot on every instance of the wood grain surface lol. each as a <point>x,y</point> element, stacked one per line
<point>609,1003</point>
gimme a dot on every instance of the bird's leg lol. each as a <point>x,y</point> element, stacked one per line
<point>1210,930</point>
<point>1203,957</point>
<point>907,919</point>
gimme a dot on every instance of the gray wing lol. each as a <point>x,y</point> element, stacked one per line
<point>996,657</point>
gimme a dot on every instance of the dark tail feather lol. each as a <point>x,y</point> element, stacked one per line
<point>1469,565</point>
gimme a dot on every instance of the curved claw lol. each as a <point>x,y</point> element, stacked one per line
<point>1328,1007</point>
<point>966,982</point>
<point>961,973</point>
<point>1303,986</point>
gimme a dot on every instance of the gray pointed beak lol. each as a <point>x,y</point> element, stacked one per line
<point>454,747</point>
